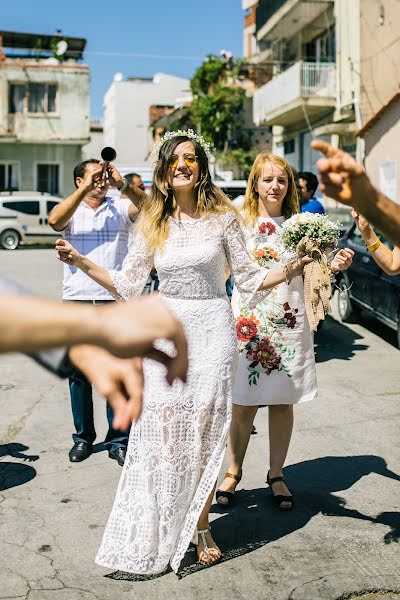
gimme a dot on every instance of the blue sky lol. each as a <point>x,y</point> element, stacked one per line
<point>164,28</point>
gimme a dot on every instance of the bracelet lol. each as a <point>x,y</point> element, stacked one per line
<point>373,247</point>
<point>124,185</point>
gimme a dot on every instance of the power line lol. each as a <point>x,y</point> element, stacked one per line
<point>156,56</point>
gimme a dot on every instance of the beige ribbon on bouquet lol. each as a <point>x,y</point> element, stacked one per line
<point>317,282</point>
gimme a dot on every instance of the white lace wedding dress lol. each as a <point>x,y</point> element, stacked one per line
<point>176,449</point>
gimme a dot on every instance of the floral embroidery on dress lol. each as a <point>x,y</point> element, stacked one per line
<point>260,331</point>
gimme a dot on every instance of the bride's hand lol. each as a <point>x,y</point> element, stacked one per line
<point>67,253</point>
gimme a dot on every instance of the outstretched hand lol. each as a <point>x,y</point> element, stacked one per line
<point>131,328</point>
<point>341,176</point>
<point>342,260</point>
<point>67,253</point>
<point>119,380</point>
<point>361,222</point>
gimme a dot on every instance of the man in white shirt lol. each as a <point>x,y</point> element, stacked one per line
<point>98,226</point>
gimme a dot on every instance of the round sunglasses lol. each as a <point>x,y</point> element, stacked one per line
<point>189,159</point>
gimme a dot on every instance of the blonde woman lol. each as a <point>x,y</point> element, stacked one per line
<point>276,365</point>
<point>188,228</point>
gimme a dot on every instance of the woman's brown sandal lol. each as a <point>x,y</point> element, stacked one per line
<point>211,559</point>
<point>280,498</point>
<point>228,495</point>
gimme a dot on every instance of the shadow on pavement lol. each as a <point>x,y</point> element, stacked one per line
<point>13,474</point>
<point>254,520</point>
<point>334,340</point>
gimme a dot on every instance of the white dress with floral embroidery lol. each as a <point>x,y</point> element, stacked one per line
<point>176,449</point>
<point>276,364</point>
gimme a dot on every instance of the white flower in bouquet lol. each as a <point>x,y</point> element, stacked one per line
<point>319,228</point>
<point>311,234</point>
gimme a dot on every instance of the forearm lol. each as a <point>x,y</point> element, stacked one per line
<point>98,274</point>
<point>274,278</point>
<point>383,256</point>
<point>61,214</point>
<point>32,324</point>
<point>382,213</point>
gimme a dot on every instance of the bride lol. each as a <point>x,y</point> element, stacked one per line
<point>189,229</point>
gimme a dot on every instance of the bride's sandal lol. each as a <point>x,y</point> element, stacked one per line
<point>280,499</point>
<point>208,556</point>
<point>229,496</point>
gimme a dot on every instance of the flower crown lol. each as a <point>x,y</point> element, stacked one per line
<point>189,133</point>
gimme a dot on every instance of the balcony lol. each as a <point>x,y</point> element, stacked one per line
<point>304,89</point>
<point>277,19</point>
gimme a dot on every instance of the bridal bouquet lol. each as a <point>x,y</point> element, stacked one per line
<point>313,235</point>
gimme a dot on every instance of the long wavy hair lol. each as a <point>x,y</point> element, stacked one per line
<point>160,203</point>
<point>291,202</point>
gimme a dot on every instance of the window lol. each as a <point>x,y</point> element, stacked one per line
<point>16,95</point>
<point>28,207</point>
<point>322,48</point>
<point>48,178</point>
<point>289,146</point>
<point>32,97</point>
<point>41,97</point>
<point>50,204</point>
<point>9,177</point>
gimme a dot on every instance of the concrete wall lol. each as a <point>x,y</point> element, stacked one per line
<point>71,120</point>
<point>347,19</point>
<point>382,160</point>
<point>27,156</point>
<point>380,54</point>
<point>126,113</point>
<point>94,147</point>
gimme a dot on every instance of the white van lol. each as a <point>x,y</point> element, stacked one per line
<point>24,219</point>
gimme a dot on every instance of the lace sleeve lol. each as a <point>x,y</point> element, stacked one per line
<point>131,279</point>
<point>247,273</point>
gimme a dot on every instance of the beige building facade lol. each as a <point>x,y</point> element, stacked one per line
<point>44,112</point>
<point>329,66</point>
<point>381,135</point>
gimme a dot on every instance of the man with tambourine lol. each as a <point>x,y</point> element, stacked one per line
<point>98,226</point>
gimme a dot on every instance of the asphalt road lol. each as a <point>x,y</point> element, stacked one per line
<point>343,466</point>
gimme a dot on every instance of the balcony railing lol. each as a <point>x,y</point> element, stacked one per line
<point>304,82</point>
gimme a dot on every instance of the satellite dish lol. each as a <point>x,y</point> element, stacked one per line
<point>61,48</point>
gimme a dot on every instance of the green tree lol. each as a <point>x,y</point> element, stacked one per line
<point>218,102</point>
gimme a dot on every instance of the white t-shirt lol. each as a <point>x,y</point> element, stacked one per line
<point>101,235</point>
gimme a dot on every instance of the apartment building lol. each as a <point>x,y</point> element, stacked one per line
<point>312,64</point>
<point>379,55</point>
<point>129,107</point>
<point>328,65</point>
<point>44,111</point>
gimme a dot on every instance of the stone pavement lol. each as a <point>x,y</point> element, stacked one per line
<point>344,467</point>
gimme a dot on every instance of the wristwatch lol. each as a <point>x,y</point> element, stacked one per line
<point>125,184</point>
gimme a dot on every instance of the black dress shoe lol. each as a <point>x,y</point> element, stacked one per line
<point>80,451</point>
<point>118,454</point>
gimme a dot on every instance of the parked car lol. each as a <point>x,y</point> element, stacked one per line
<point>364,286</point>
<point>23,219</point>
<point>235,190</point>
